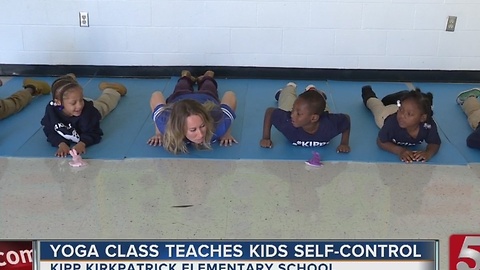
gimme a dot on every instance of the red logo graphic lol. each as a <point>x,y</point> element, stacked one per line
<point>464,252</point>
<point>16,255</point>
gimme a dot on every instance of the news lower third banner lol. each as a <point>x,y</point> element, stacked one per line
<point>238,255</point>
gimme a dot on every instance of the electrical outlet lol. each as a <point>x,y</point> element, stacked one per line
<point>84,19</point>
<point>451,23</point>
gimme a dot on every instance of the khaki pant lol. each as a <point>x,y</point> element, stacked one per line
<point>287,97</point>
<point>107,101</point>
<point>471,107</point>
<point>14,103</point>
<point>380,112</point>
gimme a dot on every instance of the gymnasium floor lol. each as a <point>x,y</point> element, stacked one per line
<point>242,192</point>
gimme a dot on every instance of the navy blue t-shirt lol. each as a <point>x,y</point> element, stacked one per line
<point>331,124</point>
<point>392,132</point>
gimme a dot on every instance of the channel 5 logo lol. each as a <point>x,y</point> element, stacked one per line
<point>464,252</point>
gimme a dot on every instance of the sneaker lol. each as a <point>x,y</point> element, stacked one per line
<point>186,73</point>
<point>462,96</point>
<point>277,94</point>
<point>311,87</point>
<point>39,87</point>
<point>207,73</point>
<point>393,98</point>
<point>367,93</point>
<point>120,88</point>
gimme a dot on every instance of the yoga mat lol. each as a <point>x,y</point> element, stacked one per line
<point>129,126</point>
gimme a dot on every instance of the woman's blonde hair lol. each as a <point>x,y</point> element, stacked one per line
<point>174,138</point>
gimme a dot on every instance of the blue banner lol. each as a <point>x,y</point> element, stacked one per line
<point>370,250</point>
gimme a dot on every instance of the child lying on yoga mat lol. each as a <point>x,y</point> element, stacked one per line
<point>72,119</point>
<point>187,117</point>
<point>20,99</point>
<point>406,123</point>
<point>304,120</point>
<point>471,107</point>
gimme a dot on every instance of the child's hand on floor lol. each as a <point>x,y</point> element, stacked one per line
<point>266,143</point>
<point>62,150</point>
<point>80,148</point>
<point>422,156</point>
<point>408,156</point>
<point>343,148</point>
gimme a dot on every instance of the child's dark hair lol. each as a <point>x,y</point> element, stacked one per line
<point>315,101</point>
<point>424,101</point>
<point>62,85</point>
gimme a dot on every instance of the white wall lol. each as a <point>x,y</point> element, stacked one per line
<point>364,34</point>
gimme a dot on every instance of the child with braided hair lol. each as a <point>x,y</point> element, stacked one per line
<point>407,123</point>
<point>71,119</point>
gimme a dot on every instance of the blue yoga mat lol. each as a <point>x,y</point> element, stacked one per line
<point>120,127</point>
<point>129,126</point>
<point>450,116</point>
